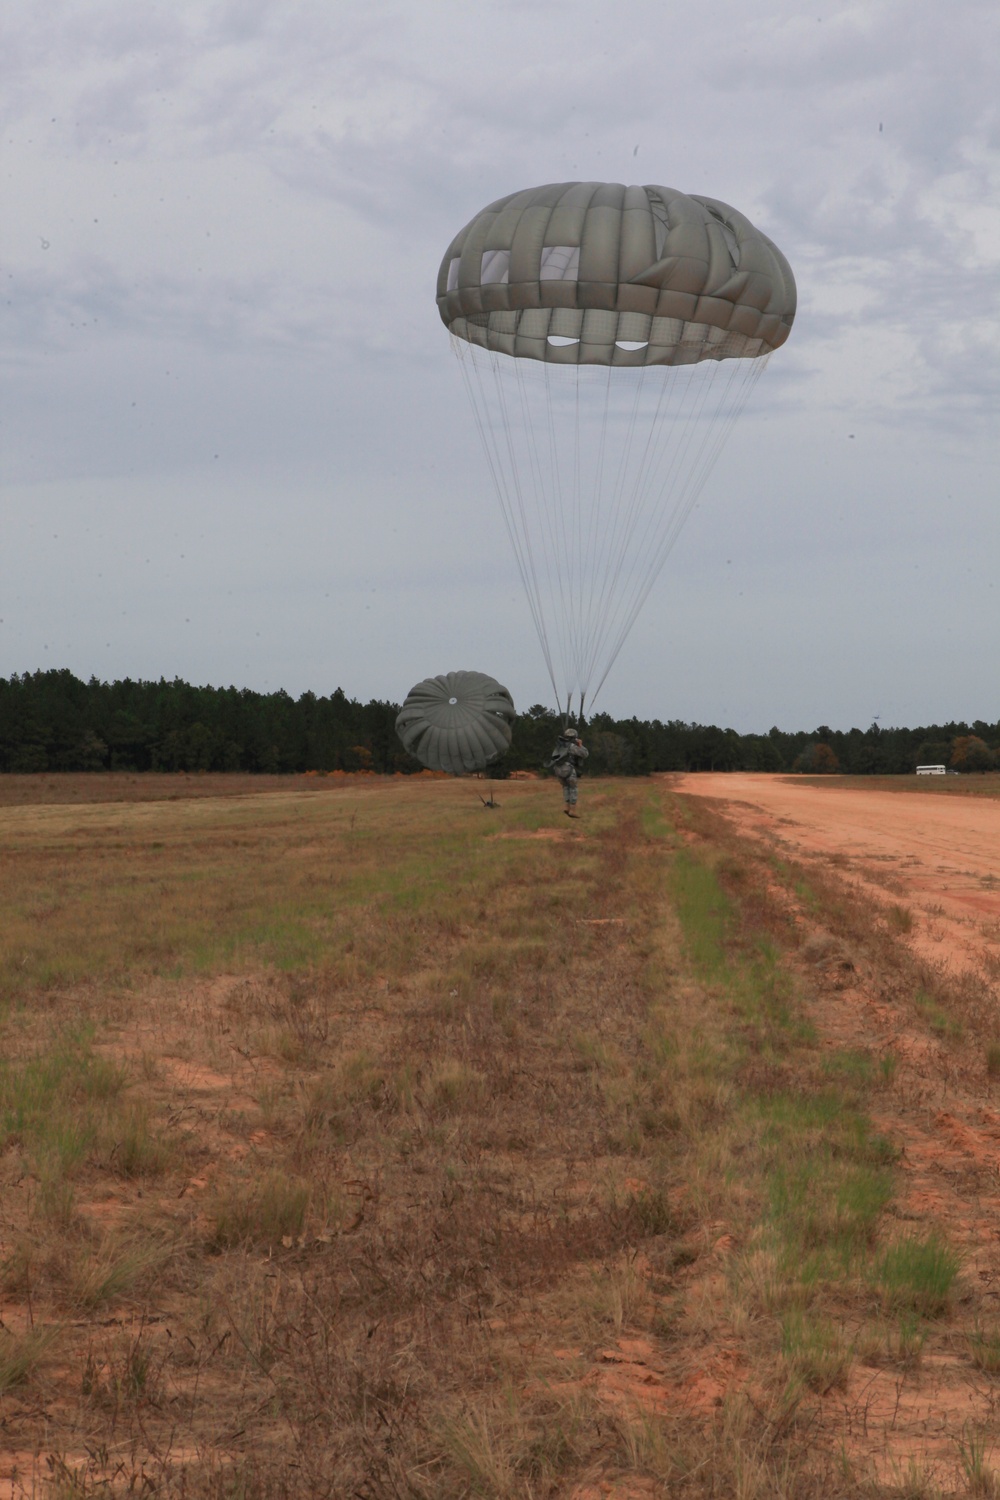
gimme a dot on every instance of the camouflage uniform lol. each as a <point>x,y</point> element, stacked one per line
<point>566,760</point>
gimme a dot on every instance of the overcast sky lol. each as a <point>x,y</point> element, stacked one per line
<point>235,441</point>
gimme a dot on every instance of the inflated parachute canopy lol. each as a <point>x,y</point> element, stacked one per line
<point>457,721</point>
<point>600,273</point>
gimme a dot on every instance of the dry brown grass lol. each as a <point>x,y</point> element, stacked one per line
<point>386,1156</point>
<point>57,788</point>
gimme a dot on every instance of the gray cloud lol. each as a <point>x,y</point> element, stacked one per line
<point>231,215</point>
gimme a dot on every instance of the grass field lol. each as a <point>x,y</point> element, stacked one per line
<point>359,1140</point>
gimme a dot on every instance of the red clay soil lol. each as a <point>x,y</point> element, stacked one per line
<point>940,856</point>
<point>936,861</point>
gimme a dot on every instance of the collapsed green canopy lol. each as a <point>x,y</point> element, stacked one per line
<point>601,273</point>
<point>457,721</point>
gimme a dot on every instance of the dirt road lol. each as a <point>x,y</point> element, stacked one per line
<point>938,855</point>
<point>929,864</point>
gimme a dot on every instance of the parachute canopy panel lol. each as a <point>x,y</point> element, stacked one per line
<point>600,273</point>
<point>456,722</point>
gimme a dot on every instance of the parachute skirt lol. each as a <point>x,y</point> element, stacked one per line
<point>591,337</point>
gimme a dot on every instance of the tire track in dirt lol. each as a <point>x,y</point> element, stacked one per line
<point>938,855</point>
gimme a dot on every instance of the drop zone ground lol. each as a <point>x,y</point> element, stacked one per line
<point>358,1140</point>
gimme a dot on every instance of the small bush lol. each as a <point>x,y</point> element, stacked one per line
<point>650,1212</point>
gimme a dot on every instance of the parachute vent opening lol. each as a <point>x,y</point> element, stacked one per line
<point>452,700</point>
<point>560,263</point>
<point>559,342</point>
<point>631,344</point>
<point>495,267</point>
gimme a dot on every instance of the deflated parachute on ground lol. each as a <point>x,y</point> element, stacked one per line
<point>457,721</point>
<point>647,293</point>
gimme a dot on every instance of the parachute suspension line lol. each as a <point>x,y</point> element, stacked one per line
<point>742,380</point>
<point>742,390</point>
<point>595,482</point>
<point>631,554</point>
<point>560,536</point>
<point>567,713</point>
<point>524,547</point>
<point>545,534</point>
<point>659,539</point>
<point>624,519</point>
<point>663,506</point>
<point>606,518</point>
<point>547,495</point>
<point>577,486</point>
<point>590,536</point>
<point>574,543</point>
<point>622,515</point>
<point>494,459</point>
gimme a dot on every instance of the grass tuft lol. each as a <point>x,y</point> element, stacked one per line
<point>984,1347</point>
<point>981,1480</point>
<point>917,1275</point>
<point>651,1212</point>
<point>21,1355</point>
<point>265,1215</point>
<point>815,1352</point>
<point>938,1019</point>
<point>117,1267</point>
<point>139,1150</point>
<point>43,1096</point>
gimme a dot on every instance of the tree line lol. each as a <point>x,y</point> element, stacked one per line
<point>53,721</point>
